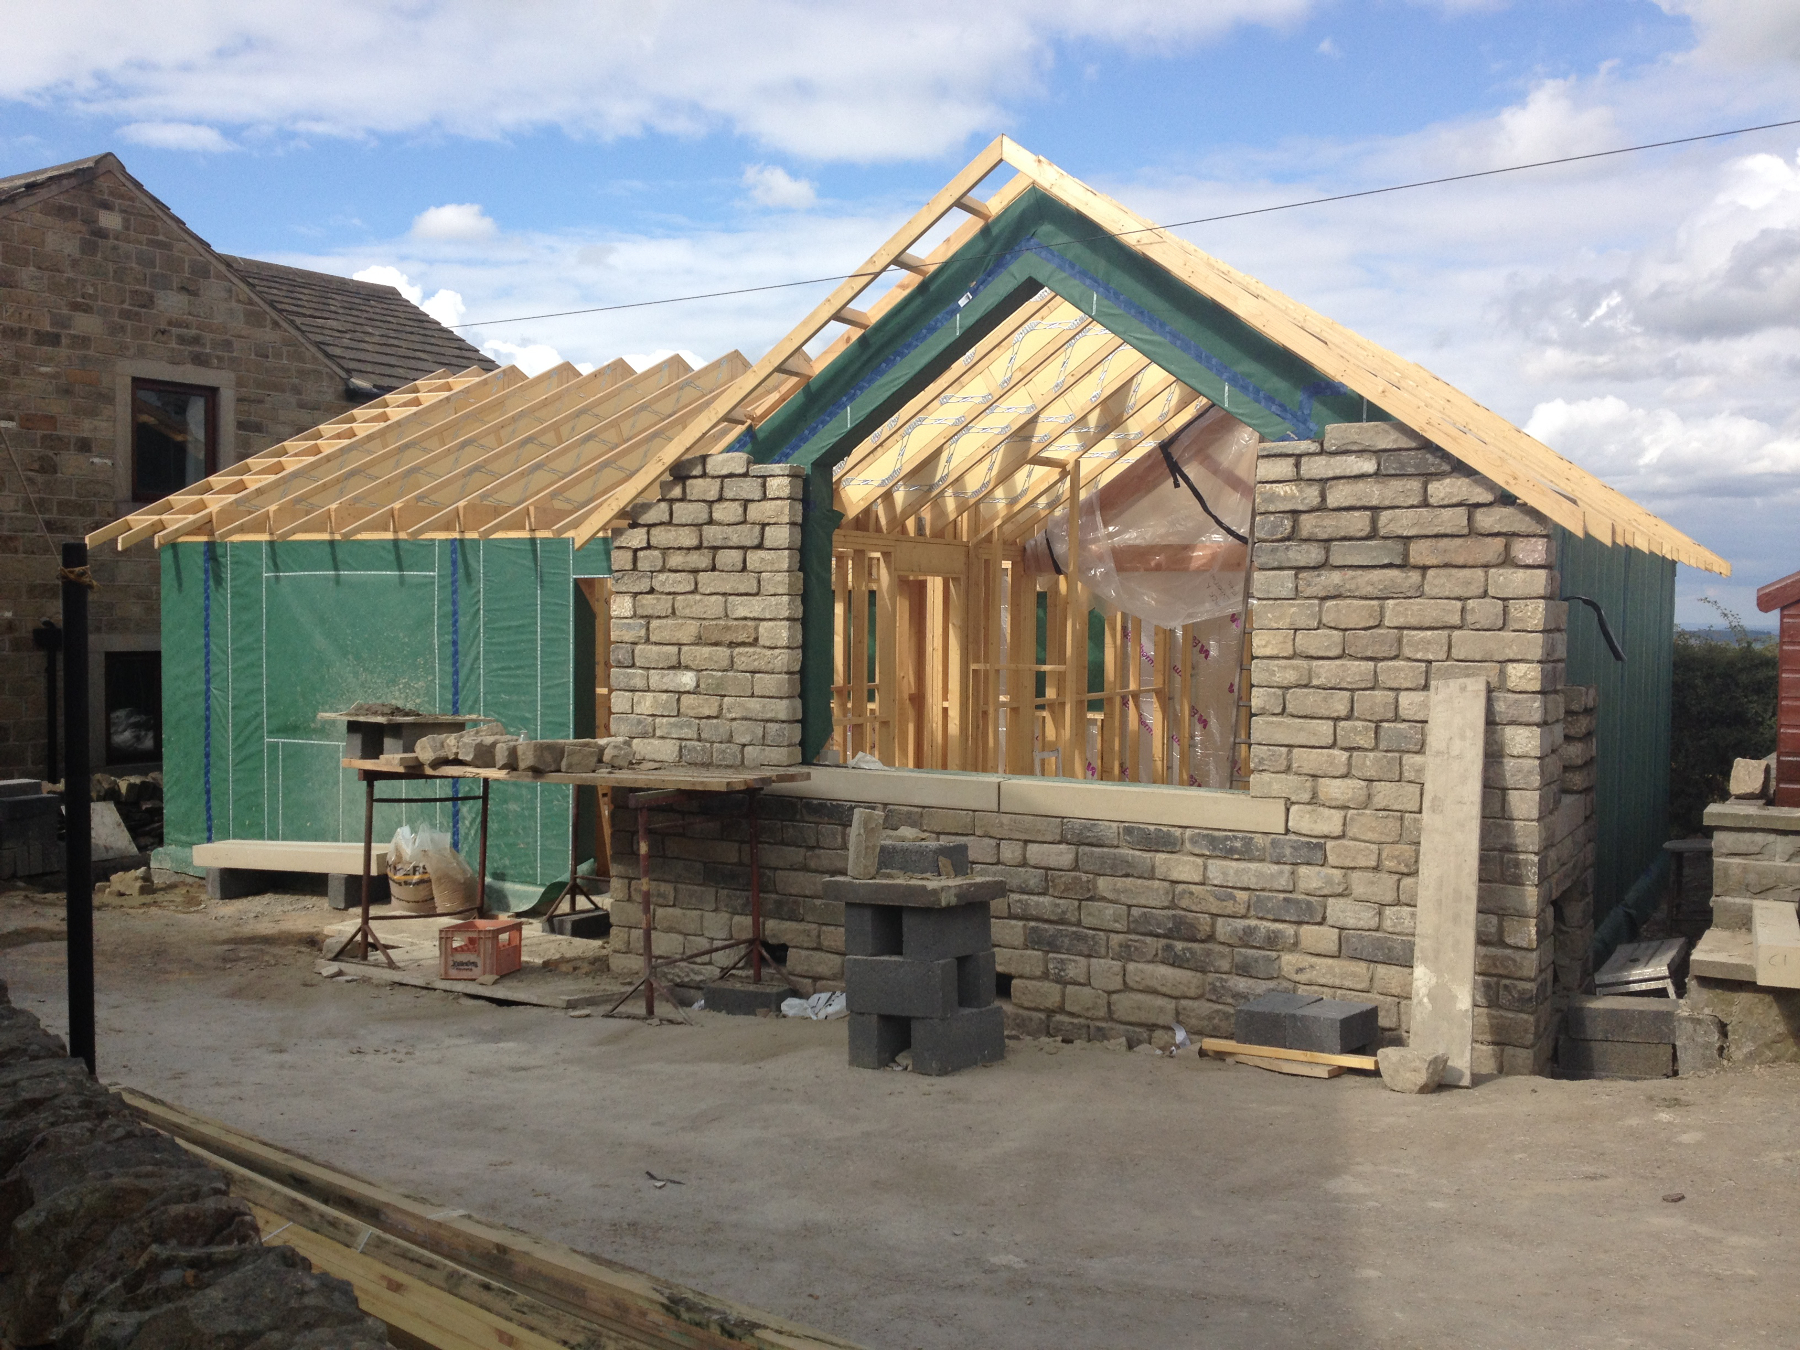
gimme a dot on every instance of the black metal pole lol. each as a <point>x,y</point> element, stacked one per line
<point>47,637</point>
<point>78,831</point>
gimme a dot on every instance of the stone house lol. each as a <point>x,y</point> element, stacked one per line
<point>1117,565</point>
<point>135,361</point>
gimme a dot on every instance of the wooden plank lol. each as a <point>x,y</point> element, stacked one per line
<point>887,658</point>
<point>640,1308</point>
<point>673,780</point>
<point>1288,1066</point>
<point>1219,1045</point>
<point>1443,1006</point>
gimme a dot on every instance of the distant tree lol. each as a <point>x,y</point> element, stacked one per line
<point>1723,709</point>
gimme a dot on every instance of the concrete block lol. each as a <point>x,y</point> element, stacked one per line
<point>914,892</point>
<point>944,934</point>
<point>1332,1026</point>
<point>1621,1017</point>
<point>592,924</point>
<point>875,1040</point>
<point>923,858</point>
<point>896,986</point>
<point>1614,1059</point>
<point>740,998</point>
<point>234,883</point>
<point>1264,1020</point>
<point>20,787</point>
<point>342,890</point>
<point>968,1037</point>
<point>975,980</point>
<point>874,930</point>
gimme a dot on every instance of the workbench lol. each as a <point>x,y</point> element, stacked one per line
<point>645,789</point>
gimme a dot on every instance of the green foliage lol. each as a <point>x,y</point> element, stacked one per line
<point>1724,709</point>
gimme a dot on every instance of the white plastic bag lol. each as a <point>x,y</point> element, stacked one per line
<point>452,879</point>
<point>821,1007</point>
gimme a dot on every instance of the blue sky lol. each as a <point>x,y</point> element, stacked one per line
<point>1640,315</point>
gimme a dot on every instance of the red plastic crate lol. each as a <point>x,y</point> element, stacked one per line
<point>468,951</point>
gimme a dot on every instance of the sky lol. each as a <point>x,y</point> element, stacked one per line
<point>1639,314</point>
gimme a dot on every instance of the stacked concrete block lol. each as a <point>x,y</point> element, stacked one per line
<point>919,970</point>
<point>1618,1036</point>
<point>1330,1026</point>
<point>1383,564</point>
<point>29,819</point>
<point>706,617</point>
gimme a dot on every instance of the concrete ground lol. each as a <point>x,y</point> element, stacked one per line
<point>1073,1196</point>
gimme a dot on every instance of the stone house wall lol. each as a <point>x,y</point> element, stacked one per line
<point>1381,565</point>
<point>98,285</point>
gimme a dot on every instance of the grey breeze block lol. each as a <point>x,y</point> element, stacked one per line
<point>344,890</point>
<point>1327,1026</point>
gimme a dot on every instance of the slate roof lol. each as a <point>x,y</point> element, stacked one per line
<point>18,184</point>
<point>375,333</point>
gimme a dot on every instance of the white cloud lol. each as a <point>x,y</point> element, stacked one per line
<point>446,307</point>
<point>1742,32</point>
<point>771,185</point>
<point>176,136</point>
<point>533,359</point>
<point>1658,454</point>
<point>818,78</point>
<point>1329,47</point>
<point>464,222</point>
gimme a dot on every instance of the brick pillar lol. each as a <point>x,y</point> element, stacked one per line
<point>705,650</point>
<point>1381,564</point>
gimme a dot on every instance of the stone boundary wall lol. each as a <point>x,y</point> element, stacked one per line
<point>1382,563</point>
<point>115,1234</point>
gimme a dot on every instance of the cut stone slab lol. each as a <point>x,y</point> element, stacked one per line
<point>290,855</point>
<point>1724,954</point>
<point>1404,1069</point>
<point>968,1037</point>
<point>740,998</point>
<point>928,858</point>
<point>865,843</point>
<point>1333,1026</point>
<point>914,892</point>
<point>1263,1021</point>
<point>110,838</point>
<point>1621,1017</point>
<point>1443,1006</point>
<point>1642,966</point>
<point>1775,944</point>
<point>898,986</point>
<point>1614,1059</point>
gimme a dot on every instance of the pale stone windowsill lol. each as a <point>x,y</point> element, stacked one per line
<point>1137,803</point>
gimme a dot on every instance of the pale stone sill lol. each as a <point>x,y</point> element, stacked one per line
<point>1132,803</point>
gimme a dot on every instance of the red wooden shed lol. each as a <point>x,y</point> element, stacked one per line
<point>1784,595</point>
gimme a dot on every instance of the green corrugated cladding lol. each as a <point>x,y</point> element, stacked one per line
<point>259,638</point>
<point>1035,244</point>
<point>1632,731</point>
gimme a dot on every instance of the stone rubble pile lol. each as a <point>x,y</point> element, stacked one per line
<point>112,1235</point>
<point>490,747</point>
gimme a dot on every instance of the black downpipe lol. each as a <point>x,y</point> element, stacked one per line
<point>1606,632</point>
<point>47,638</point>
<point>77,809</point>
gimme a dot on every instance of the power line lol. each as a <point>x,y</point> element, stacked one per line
<point>1173,225</point>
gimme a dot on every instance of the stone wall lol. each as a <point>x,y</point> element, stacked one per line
<point>96,285</point>
<point>1382,564</point>
<point>706,617</point>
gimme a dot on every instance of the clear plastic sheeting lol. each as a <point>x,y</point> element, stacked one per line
<point>1166,538</point>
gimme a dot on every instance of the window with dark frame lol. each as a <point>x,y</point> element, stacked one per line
<point>174,437</point>
<point>133,692</point>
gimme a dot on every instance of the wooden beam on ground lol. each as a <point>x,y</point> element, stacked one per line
<point>1219,1045</point>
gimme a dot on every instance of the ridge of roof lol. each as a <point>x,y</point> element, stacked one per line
<point>19,184</point>
<point>381,338</point>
